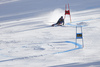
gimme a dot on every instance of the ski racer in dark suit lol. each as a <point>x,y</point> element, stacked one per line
<point>60,22</point>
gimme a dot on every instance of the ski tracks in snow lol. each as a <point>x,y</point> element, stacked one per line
<point>28,57</point>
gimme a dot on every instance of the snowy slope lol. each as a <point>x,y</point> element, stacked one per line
<point>31,42</point>
<point>18,9</point>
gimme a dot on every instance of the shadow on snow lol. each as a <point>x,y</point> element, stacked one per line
<point>92,64</point>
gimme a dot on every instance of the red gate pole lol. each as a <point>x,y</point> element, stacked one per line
<point>70,14</point>
<point>65,10</point>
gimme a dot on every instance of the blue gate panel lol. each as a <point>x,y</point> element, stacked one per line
<point>78,35</point>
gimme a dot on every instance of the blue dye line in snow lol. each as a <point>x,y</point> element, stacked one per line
<point>20,58</point>
<point>82,20</point>
<point>79,47</point>
<point>75,25</point>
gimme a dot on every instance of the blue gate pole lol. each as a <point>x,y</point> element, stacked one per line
<point>79,37</point>
<point>82,38</point>
<point>76,36</point>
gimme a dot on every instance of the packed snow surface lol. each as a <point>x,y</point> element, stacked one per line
<point>30,41</point>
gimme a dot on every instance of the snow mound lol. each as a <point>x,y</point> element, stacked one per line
<point>83,23</point>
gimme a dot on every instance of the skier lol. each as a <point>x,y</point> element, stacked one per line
<point>60,22</point>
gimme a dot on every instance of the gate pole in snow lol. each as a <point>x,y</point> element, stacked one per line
<point>67,12</point>
<point>70,14</point>
<point>79,35</point>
